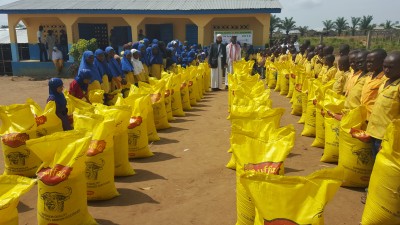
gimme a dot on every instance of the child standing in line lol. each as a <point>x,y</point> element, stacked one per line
<point>56,87</point>
<point>330,69</point>
<point>341,75</point>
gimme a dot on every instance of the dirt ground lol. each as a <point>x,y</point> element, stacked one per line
<point>186,182</point>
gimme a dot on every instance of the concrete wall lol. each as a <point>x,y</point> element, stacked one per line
<point>179,25</point>
<point>38,69</point>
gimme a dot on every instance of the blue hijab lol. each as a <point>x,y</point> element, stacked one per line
<point>126,63</point>
<point>155,41</point>
<point>135,45</point>
<point>148,55</point>
<point>173,54</point>
<point>59,98</point>
<point>113,65</point>
<point>84,74</point>
<point>95,75</point>
<point>143,55</point>
<point>155,59</point>
<point>146,42</point>
<point>102,67</point>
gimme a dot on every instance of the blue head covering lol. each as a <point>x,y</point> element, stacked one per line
<point>113,66</point>
<point>155,41</point>
<point>143,55</point>
<point>126,63</point>
<point>84,74</point>
<point>102,67</point>
<point>146,42</point>
<point>184,48</point>
<point>95,75</point>
<point>135,45</point>
<point>173,55</point>
<point>192,54</point>
<point>184,54</point>
<point>59,98</point>
<point>155,59</point>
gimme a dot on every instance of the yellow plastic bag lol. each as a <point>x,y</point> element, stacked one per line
<point>297,107</point>
<point>257,155</point>
<point>272,76</point>
<point>99,156</point>
<point>192,87</point>
<point>120,115</point>
<point>11,188</point>
<point>310,120</point>
<point>168,98</point>
<point>319,140</point>
<point>284,81</point>
<point>185,98</point>
<point>291,199</point>
<point>62,183</point>
<point>382,206</point>
<point>176,100</point>
<point>96,96</point>
<point>355,157</point>
<point>47,121</point>
<point>304,101</point>
<point>333,103</point>
<point>138,141</point>
<point>18,126</point>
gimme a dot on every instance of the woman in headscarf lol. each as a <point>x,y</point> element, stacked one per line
<point>117,76</point>
<point>79,86</point>
<point>145,61</point>
<point>156,61</point>
<point>87,62</point>
<point>127,68</point>
<point>101,65</point>
<point>138,68</point>
<point>192,58</point>
<point>56,87</point>
<point>170,64</point>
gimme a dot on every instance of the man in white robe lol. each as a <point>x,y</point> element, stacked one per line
<point>233,54</point>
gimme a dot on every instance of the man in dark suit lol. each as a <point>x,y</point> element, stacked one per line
<point>217,62</point>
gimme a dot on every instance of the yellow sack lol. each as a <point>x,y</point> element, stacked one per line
<point>272,77</point>
<point>176,100</point>
<point>138,141</point>
<point>319,140</point>
<point>47,121</point>
<point>99,156</point>
<point>185,97</point>
<point>168,97</point>
<point>382,206</point>
<point>18,126</point>
<point>304,101</point>
<point>11,188</point>
<point>106,84</point>
<point>291,199</point>
<point>200,85</point>
<point>355,156</point>
<point>120,115</point>
<point>292,80</point>
<point>297,107</point>
<point>284,81</point>
<point>96,96</point>
<point>62,183</point>
<point>75,103</point>
<point>192,87</point>
<point>158,101</point>
<point>264,157</point>
<point>310,120</point>
<point>278,81</point>
<point>333,103</point>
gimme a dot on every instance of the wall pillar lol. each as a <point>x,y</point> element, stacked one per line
<point>134,21</point>
<point>12,24</point>
<point>264,19</point>
<point>201,21</point>
<point>69,21</point>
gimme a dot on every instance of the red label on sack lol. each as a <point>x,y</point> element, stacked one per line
<point>40,120</point>
<point>280,222</point>
<point>96,147</point>
<point>54,176</point>
<point>135,122</point>
<point>167,93</point>
<point>172,91</point>
<point>155,97</point>
<point>183,85</point>
<point>14,140</point>
<point>190,83</point>
<point>264,167</point>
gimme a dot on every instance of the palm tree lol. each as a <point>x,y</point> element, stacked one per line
<point>328,25</point>
<point>302,30</point>
<point>288,24</point>
<point>275,22</point>
<point>365,23</point>
<point>341,24</point>
<point>355,21</point>
<point>388,25</point>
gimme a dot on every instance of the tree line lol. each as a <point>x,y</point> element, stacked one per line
<point>340,25</point>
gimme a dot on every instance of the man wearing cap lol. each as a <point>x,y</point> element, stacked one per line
<point>217,62</point>
<point>233,53</point>
<point>58,60</point>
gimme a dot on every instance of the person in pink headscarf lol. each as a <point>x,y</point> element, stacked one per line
<point>233,53</point>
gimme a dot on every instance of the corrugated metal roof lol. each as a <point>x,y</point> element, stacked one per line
<point>191,5</point>
<point>22,36</point>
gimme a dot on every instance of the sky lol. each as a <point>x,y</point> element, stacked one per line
<point>311,13</point>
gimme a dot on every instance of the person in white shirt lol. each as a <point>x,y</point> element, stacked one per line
<point>233,54</point>
<point>51,42</point>
<point>58,60</point>
<point>42,43</point>
<point>138,68</point>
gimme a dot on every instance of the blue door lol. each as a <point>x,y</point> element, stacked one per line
<point>166,32</point>
<point>99,31</point>
<point>192,34</point>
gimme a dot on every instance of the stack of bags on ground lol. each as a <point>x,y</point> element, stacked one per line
<point>259,148</point>
<point>72,167</point>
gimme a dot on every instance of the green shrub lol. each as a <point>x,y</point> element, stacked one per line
<point>81,46</point>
